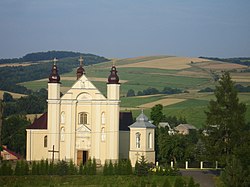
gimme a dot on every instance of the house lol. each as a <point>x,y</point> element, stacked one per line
<point>184,128</point>
<point>7,154</point>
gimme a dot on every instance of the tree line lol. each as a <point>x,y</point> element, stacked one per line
<point>153,91</point>
<point>238,87</point>
<point>39,56</point>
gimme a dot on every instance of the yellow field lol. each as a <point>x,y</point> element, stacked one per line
<point>164,102</point>
<point>15,65</point>
<point>224,66</point>
<point>170,63</point>
<point>14,95</point>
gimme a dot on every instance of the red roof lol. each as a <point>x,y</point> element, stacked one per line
<point>11,152</point>
<point>39,123</point>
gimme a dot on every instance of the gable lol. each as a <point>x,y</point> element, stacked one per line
<point>83,89</point>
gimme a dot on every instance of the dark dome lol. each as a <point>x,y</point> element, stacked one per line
<point>54,77</point>
<point>79,72</point>
<point>113,77</point>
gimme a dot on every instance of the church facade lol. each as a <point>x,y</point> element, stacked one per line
<point>83,123</point>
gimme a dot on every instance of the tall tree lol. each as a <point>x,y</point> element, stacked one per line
<point>156,114</point>
<point>225,120</point>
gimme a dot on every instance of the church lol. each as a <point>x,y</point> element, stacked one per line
<point>84,124</point>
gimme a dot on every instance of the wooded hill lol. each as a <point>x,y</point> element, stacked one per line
<point>38,67</point>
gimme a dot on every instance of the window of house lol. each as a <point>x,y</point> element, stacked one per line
<point>103,136</point>
<point>138,140</point>
<point>150,143</point>
<point>45,141</point>
<point>103,118</point>
<point>63,117</point>
<point>83,118</point>
<point>62,134</point>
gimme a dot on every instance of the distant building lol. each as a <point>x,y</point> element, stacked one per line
<point>184,128</point>
<point>7,154</point>
<point>166,124</point>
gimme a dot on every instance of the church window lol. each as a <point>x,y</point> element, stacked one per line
<point>150,143</point>
<point>138,140</point>
<point>62,134</point>
<point>83,118</point>
<point>103,118</point>
<point>103,136</point>
<point>45,141</point>
<point>63,117</point>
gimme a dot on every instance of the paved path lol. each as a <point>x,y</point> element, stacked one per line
<point>204,177</point>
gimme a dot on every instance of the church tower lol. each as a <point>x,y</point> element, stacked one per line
<point>113,96</point>
<point>53,111</point>
<point>142,134</point>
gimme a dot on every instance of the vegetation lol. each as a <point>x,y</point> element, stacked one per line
<point>240,60</point>
<point>227,133</point>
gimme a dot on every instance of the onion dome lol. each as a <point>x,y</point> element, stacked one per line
<point>54,77</point>
<point>80,71</point>
<point>113,77</point>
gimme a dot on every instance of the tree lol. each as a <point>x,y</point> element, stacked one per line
<point>234,175</point>
<point>130,93</point>
<point>156,114</point>
<point>225,121</point>
<point>7,97</point>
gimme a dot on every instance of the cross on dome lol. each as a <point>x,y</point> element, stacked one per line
<point>55,60</point>
<point>81,60</point>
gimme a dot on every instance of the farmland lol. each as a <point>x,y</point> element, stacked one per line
<point>140,73</point>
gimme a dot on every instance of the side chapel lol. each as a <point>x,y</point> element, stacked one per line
<point>84,124</point>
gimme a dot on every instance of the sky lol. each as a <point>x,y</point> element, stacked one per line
<point>126,28</point>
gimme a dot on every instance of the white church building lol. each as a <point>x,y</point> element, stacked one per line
<point>84,124</point>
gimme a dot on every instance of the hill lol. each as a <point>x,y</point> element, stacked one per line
<point>184,73</point>
<point>35,66</point>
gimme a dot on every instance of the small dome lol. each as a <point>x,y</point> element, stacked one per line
<point>54,76</point>
<point>80,71</point>
<point>113,77</point>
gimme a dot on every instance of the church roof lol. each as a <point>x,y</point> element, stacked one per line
<point>142,122</point>
<point>125,120</point>
<point>39,123</point>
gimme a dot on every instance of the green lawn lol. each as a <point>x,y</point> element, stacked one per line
<point>93,181</point>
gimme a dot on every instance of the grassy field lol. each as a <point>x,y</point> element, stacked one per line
<point>91,181</point>
<point>158,72</point>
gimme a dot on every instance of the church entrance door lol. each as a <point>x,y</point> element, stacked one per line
<point>82,157</point>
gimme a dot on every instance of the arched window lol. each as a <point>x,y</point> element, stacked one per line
<point>83,118</point>
<point>103,136</point>
<point>45,141</point>
<point>138,140</point>
<point>63,117</point>
<point>62,134</point>
<point>150,140</point>
<point>103,118</point>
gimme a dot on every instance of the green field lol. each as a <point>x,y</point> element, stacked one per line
<point>140,79</point>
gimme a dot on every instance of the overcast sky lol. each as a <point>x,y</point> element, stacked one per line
<point>126,28</point>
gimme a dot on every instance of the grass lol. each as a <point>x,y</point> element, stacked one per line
<point>136,101</point>
<point>93,181</point>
